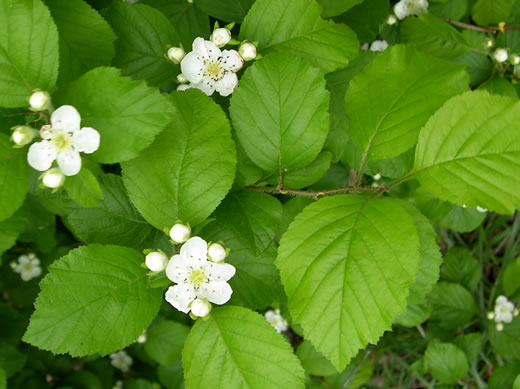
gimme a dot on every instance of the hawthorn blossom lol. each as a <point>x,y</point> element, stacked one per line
<point>28,267</point>
<point>501,55</point>
<point>197,278</point>
<point>378,45</point>
<point>180,233</point>
<point>23,135</point>
<point>142,338</point>
<point>220,37</point>
<point>121,360</point>
<point>503,312</point>
<point>276,320</point>
<point>63,140</point>
<point>39,101</point>
<point>156,261</point>
<point>247,51</point>
<point>53,178</point>
<point>176,54</point>
<point>209,69</point>
<point>405,8</point>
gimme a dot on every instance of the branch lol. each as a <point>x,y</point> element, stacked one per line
<point>354,372</point>
<point>314,195</point>
<point>492,30</point>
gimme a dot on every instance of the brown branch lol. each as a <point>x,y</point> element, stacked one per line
<point>491,30</point>
<point>312,194</point>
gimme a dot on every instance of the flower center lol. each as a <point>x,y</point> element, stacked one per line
<point>62,141</point>
<point>27,267</point>
<point>214,70</point>
<point>197,277</point>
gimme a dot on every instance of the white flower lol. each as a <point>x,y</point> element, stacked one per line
<point>180,233</point>
<point>276,320</point>
<point>405,8</point>
<point>28,266</point>
<point>482,210</point>
<point>23,135</point>
<point>209,69</point>
<point>39,101</point>
<point>504,310</point>
<point>500,55</point>
<point>500,327</point>
<point>489,43</point>
<point>182,78</point>
<point>515,59</point>
<point>176,54</point>
<point>247,51</point>
<point>377,177</point>
<point>200,307</point>
<point>63,140</point>
<point>378,45</point>
<point>391,20</point>
<point>156,261</point>
<point>365,46</point>
<point>183,87</point>
<point>196,277</point>
<point>121,360</point>
<point>220,36</point>
<point>53,178</point>
<point>142,338</point>
<point>216,253</point>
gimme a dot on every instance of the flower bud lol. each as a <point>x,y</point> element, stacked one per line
<point>489,43</point>
<point>22,135</point>
<point>200,307</point>
<point>220,36</point>
<point>216,252</point>
<point>490,315</point>
<point>39,101</point>
<point>500,327</point>
<point>481,210</point>
<point>515,59</point>
<point>379,45</point>
<point>516,312</point>
<point>500,55</point>
<point>391,20</point>
<point>176,54</point>
<point>180,233</point>
<point>156,261</point>
<point>182,78</point>
<point>247,51</point>
<point>53,178</point>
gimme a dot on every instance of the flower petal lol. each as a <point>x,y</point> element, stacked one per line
<point>220,271</point>
<point>216,292</point>
<point>227,84</point>
<point>23,259</point>
<point>195,249</point>
<point>180,296</point>
<point>207,85</point>
<point>66,118</point>
<point>176,270</point>
<point>69,162</point>
<point>41,155</point>
<point>206,49</point>
<point>192,67</point>
<point>501,300</point>
<point>232,61</point>
<point>86,140</point>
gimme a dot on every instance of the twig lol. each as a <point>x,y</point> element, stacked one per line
<point>354,372</point>
<point>314,195</point>
<point>491,30</point>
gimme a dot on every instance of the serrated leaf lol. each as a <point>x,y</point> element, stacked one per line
<point>10,229</point>
<point>507,341</point>
<point>14,176</point>
<point>189,169</point>
<point>504,376</point>
<point>240,350</point>
<point>462,219</point>
<point>84,189</point>
<point>144,35</point>
<point>280,113</point>
<point>337,7</point>
<point>226,10</point>
<point>446,361</point>
<point>469,152</point>
<point>93,300</point>
<point>128,114</point>
<point>296,27</point>
<point>312,361</point>
<point>511,277</point>
<point>347,261</point>
<point>164,341</point>
<point>28,51</point>
<point>86,39</point>
<point>366,18</point>
<point>453,305</point>
<point>461,267</point>
<point>308,175</point>
<point>414,315</point>
<point>471,344</point>
<point>487,12</point>
<point>385,101</point>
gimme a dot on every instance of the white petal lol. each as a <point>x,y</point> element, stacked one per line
<point>23,259</point>
<point>86,140</point>
<point>227,84</point>
<point>195,249</point>
<point>216,292</point>
<point>207,85</point>
<point>220,271</point>
<point>69,162</point>
<point>180,296</point>
<point>509,306</point>
<point>232,61</point>
<point>66,118</point>
<point>41,155</point>
<point>36,272</point>
<point>400,10</point>
<point>177,270</point>
<point>507,317</point>
<point>501,300</point>
<point>26,275</point>
<point>206,49</point>
<point>192,67</point>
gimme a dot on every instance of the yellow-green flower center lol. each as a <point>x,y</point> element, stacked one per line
<point>214,70</point>
<point>62,141</point>
<point>27,267</point>
<point>197,277</point>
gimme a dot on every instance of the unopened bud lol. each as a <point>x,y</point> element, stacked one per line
<point>490,315</point>
<point>516,312</point>
<point>39,101</point>
<point>216,252</point>
<point>500,55</point>
<point>182,78</point>
<point>481,210</point>
<point>500,327</point>
<point>200,307</point>
<point>220,36</point>
<point>515,59</point>
<point>23,135</point>
<point>53,178</point>
<point>180,233</point>
<point>391,20</point>
<point>247,51</point>
<point>176,54</point>
<point>156,261</point>
<point>489,43</point>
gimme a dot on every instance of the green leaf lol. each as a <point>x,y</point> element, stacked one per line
<point>337,7</point>
<point>504,376</point>
<point>301,178</point>
<point>312,361</point>
<point>462,219</point>
<point>3,379</point>
<point>280,113</point>
<point>474,132</point>
<point>487,12</point>
<point>10,229</point>
<point>296,28</point>
<point>14,176</point>
<point>506,342</point>
<point>189,169</point>
<point>454,9</point>
<point>128,114</point>
<point>366,18</point>
<point>226,10</point>
<point>114,221</point>
<point>93,300</point>
<point>499,86</point>
<point>28,51</point>
<point>164,341</point>
<point>11,360</point>
<point>511,277</point>
<point>291,208</point>
<point>471,344</point>
<point>461,267</point>
<point>171,376</point>
<point>144,35</point>
<point>84,189</point>
<point>453,305</point>
<point>446,361</point>
<point>86,39</point>
<point>516,383</point>
<point>415,314</point>
<point>385,101</point>
<point>347,261</point>
<point>234,349</point>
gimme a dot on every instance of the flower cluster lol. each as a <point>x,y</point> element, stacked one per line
<point>503,313</point>
<point>377,45</point>
<point>405,8</point>
<point>28,266</point>
<point>276,320</point>
<point>121,360</point>
<point>506,63</point>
